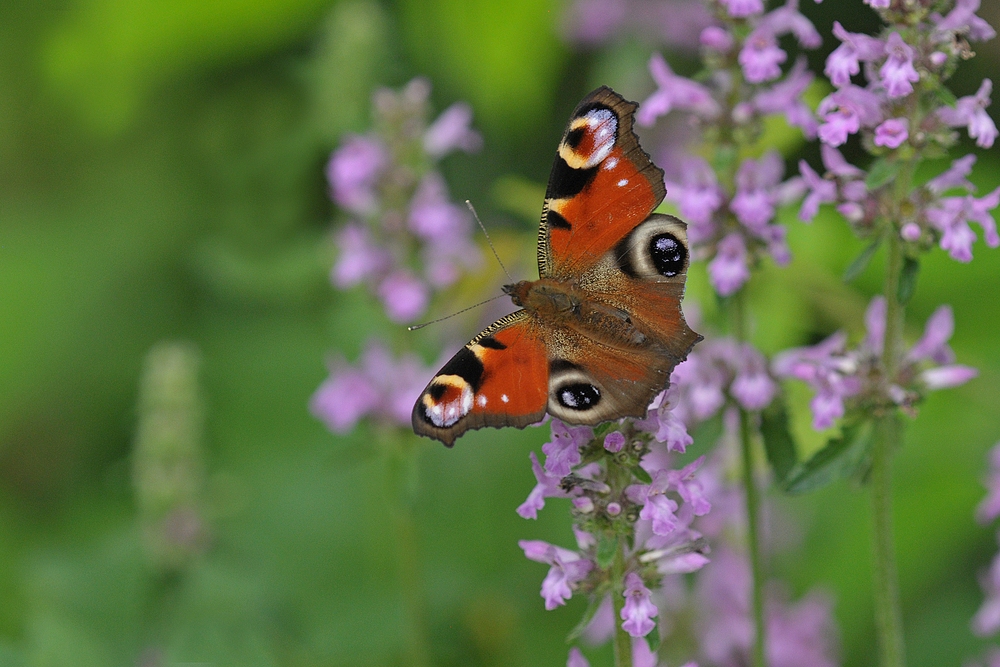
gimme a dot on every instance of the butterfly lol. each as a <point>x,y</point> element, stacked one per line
<point>601,329</point>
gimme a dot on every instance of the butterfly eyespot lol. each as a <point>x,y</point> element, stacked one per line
<point>655,249</point>
<point>668,254</point>
<point>578,396</point>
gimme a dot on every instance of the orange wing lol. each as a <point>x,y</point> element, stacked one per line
<point>499,379</point>
<point>601,187</point>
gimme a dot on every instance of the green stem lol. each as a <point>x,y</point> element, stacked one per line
<point>739,330</point>
<point>753,542</point>
<point>888,616</point>
<point>402,460</point>
<point>622,641</point>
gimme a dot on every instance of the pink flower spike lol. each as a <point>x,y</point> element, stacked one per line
<point>892,133</point>
<point>639,611</point>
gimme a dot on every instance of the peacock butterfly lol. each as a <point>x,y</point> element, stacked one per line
<point>601,329</point>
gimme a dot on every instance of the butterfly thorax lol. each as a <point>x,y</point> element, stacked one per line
<point>565,303</point>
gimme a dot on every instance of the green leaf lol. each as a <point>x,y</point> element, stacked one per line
<point>881,173</point>
<point>860,262</point>
<point>946,96</point>
<point>588,616</point>
<point>653,638</point>
<point>778,441</point>
<point>908,280</point>
<point>841,458</point>
<point>640,474</point>
<point>607,547</point>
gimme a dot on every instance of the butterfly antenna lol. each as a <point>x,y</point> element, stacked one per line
<point>442,319</point>
<point>488,240</point>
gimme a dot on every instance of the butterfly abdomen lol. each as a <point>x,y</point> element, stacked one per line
<point>565,304</point>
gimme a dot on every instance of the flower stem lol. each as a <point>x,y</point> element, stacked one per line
<point>888,616</point>
<point>739,329</point>
<point>401,486</point>
<point>753,542</point>
<point>622,641</point>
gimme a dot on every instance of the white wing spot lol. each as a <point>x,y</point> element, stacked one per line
<point>504,398</point>
<point>622,183</point>
<point>444,415</point>
<point>611,163</point>
<point>481,400</point>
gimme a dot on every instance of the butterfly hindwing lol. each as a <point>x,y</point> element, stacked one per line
<point>627,354</point>
<point>498,379</point>
<point>602,185</point>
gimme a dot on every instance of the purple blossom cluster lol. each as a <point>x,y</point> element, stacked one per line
<point>404,238</point>
<point>900,109</point>
<point>853,378</point>
<point>904,68</point>
<point>731,211</point>
<point>379,386</point>
<point>899,113</point>
<point>620,483</point>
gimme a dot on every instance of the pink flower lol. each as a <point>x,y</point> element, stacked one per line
<point>567,569</point>
<point>452,131</point>
<point>971,112</point>
<point>614,441</point>
<point>404,296</point>
<point>563,451</point>
<point>892,133</point>
<point>898,74</point>
<point>639,611</point>
<point>846,111</point>
<point>716,38</point>
<point>698,196</point>
<point>359,258</point>
<point>761,57</point>
<point>353,171</point>
<point>785,97</point>
<point>729,271</point>
<point>576,659</point>
<point>855,48</point>
<point>674,92</point>
<point>547,486</point>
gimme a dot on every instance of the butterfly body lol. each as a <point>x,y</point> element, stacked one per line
<point>601,329</point>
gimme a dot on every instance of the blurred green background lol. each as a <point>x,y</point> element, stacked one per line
<point>161,177</point>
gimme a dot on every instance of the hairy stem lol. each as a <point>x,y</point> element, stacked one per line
<point>757,653</point>
<point>888,616</point>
